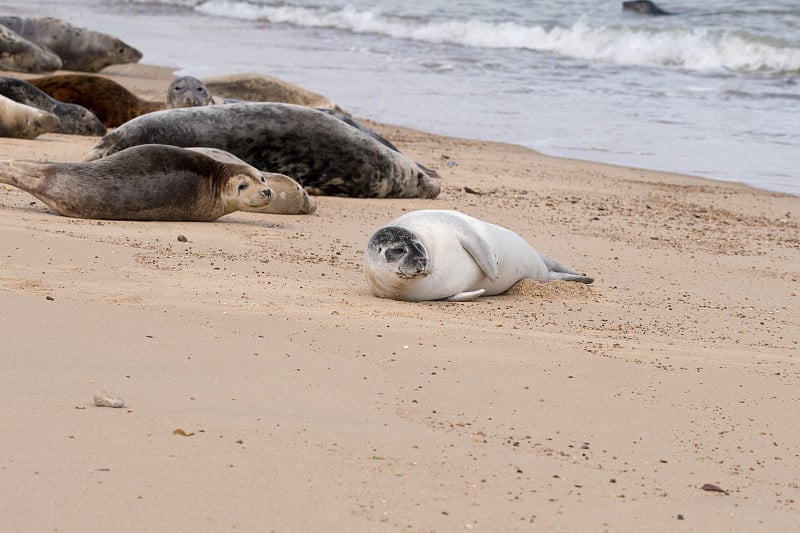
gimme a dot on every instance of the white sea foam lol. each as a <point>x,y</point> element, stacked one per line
<point>691,48</point>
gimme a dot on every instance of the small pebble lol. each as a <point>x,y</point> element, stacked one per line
<point>104,399</point>
<point>182,238</point>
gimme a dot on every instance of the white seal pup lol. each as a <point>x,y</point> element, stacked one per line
<point>21,55</point>
<point>23,121</point>
<point>440,254</point>
<point>324,154</point>
<point>79,48</point>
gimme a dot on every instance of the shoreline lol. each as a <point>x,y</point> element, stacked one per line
<point>313,405</point>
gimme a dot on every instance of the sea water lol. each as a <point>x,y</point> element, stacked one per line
<point>710,90</point>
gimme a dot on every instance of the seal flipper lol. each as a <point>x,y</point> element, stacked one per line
<point>561,271</point>
<point>465,296</point>
<point>18,173</point>
<point>480,250</point>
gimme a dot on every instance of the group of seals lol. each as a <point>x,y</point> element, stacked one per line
<point>76,48</point>
<point>440,254</point>
<point>143,183</point>
<point>21,55</point>
<point>73,118</point>
<point>324,154</point>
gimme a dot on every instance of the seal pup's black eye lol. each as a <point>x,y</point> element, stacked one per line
<point>243,186</point>
<point>393,254</point>
<point>263,179</point>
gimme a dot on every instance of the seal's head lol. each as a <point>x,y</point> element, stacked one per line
<point>245,189</point>
<point>394,257</point>
<point>188,91</point>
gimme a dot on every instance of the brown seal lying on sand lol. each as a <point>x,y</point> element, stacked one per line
<point>111,102</point>
<point>149,182</point>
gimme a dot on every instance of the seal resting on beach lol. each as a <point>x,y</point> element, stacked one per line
<point>23,121</point>
<point>79,48</point>
<point>151,182</point>
<point>188,91</point>
<point>322,153</point>
<point>439,254</point>
<point>644,7</point>
<point>73,118</point>
<point>21,55</point>
<point>262,88</point>
<point>289,197</point>
<point>111,102</point>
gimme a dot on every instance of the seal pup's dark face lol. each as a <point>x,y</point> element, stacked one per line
<point>188,91</point>
<point>401,251</point>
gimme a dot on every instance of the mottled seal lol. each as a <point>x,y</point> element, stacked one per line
<point>151,182</point>
<point>21,55</point>
<point>289,197</point>
<point>439,254</point>
<point>262,88</point>
<point>111,102</point>
<point>23,121</point>
<point>322,153</point>
<point>644,7</point>
<point>188,91</point>
<point>73,118</point>
<point>80,49</point>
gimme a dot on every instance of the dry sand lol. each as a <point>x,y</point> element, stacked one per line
<point>310,405</point>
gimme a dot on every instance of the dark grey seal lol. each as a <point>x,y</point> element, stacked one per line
<point>644,7</point>
<point>73,118</point>
<point>322,153</point>
<point>21,55</point>
<point>79,48</point>
<point>151,182</point>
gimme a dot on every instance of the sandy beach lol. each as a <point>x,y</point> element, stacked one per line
<point>266,389</point>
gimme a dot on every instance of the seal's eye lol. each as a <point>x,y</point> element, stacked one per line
<point>263,179</point>
<point>393,254</point>
<point>243,186</point>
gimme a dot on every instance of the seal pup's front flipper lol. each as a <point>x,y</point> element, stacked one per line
<point>465,296</point>
<point>480,250</point>
<point>561,271</point>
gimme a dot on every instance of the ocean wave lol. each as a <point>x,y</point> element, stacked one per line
<point>699,49</point>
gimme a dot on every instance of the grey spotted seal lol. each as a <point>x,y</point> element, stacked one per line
<point>643,7</point>
<point>440,254</point>
<point>188,91</point>
<point>111,102</point>
<point>289,197</point>
<point>73,118</point>
<point>23,121</point>
<point>150,182</point>
<point>78,48</point>
<point>322,153</point>
<point>21,55</point>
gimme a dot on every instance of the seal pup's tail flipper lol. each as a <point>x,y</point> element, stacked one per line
<point>561,271</point>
